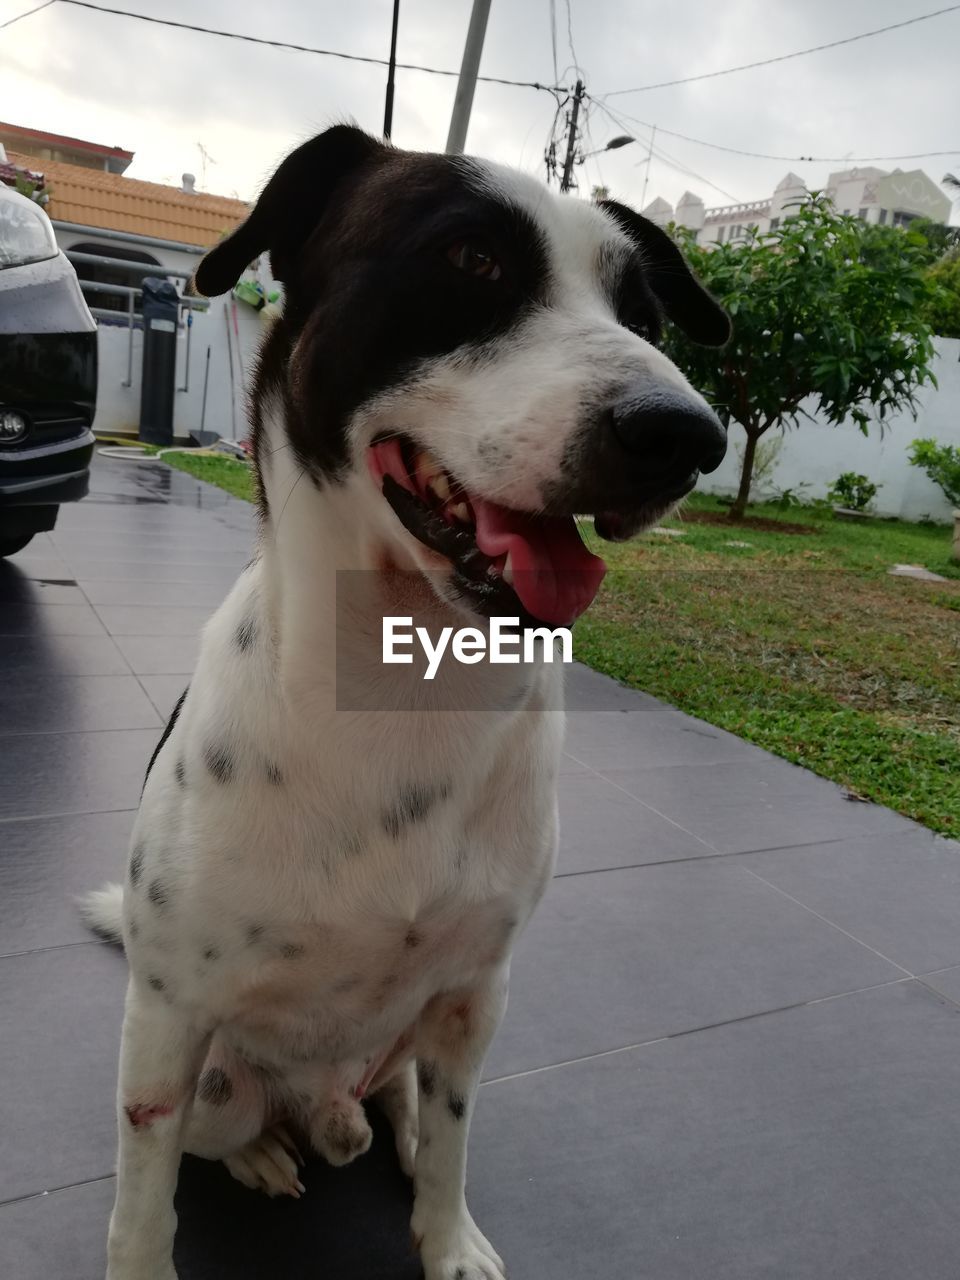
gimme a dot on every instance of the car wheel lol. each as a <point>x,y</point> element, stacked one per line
<point>10,546</point>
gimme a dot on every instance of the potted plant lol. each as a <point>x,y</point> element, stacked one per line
<point>851,494</point>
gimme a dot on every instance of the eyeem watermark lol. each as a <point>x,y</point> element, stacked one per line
<point>504,643</point>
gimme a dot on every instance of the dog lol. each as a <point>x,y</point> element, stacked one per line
<point>321,901</point>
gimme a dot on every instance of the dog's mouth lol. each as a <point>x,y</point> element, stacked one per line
<point>507,563</point>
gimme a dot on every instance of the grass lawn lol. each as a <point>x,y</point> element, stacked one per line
<point>226,473</point>
<point>799,642</point>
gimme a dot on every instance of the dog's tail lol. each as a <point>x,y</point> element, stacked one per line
<point>102,912</point>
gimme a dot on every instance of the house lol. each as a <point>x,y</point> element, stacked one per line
<point>874,195</point>
<point>116,230</point>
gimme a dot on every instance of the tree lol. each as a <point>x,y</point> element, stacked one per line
<point>941,309</point>
<point>825,308</point>
<point>936,237</point>
<point>941,462</point>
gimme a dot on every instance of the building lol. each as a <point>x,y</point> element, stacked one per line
<point>116,230</point>
<point>892,199</point>
<point>55,146</point>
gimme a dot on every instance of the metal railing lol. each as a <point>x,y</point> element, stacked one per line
<point>131,292</point>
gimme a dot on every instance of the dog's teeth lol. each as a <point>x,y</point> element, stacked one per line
<point>507,571</point>
<point>440,487</point>
<point>460,511</point>
<point>425,468</point>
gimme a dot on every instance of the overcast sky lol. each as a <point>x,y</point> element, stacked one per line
<point>160,92</point>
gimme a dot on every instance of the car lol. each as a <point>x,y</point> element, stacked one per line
<point>48,375</point>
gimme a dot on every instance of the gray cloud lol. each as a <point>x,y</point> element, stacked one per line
<point>159,91</point>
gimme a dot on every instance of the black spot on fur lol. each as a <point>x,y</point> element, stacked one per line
<point>456,1105</point>
<point>246,634</point>
<point>291,950</point>
<point>166,734</point>
<point>413,939</point>
<point>254,932</point>
<point>460,1274</point>
<point>215,1087</point>
<point>274,775</point>
<point>181,771</point>
<point>220,762</point>
<point>157,984</point>
<point>427,1078</point>
<point>211,953</point>
<point>413,806</point>
<point>136,864</point>
<point>158,893</point>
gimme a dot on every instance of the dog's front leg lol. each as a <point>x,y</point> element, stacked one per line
<point>160,1060</point>
<point>452,1040</point>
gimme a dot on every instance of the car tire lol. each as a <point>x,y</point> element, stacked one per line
<point>11,545</point>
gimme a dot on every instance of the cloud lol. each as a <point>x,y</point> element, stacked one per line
<point>159,91</point>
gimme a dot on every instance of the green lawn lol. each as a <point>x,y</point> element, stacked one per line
<point>799,642</point>
<point>226,473</point>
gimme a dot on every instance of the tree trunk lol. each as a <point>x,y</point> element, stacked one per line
<point>739,508</point>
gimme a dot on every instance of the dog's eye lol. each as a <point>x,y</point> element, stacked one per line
<point>474,258</point>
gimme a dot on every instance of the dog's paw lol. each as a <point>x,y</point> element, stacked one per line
<point>271,1163</point>
<point>463,1254</point>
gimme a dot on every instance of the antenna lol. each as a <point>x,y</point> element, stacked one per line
<point>205,159</point>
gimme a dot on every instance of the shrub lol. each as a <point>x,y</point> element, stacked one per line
<point>853,490</point>
<point>941,462</point>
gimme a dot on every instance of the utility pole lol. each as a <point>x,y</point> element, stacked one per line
<point>391,75</point>
<point>566,182</point>
<point>463,103</point>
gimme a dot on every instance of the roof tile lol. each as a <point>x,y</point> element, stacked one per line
<point>114,202</point>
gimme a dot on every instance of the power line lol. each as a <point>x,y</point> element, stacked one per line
<point>553,39</point>
<point>573,52</point>
<point>298,48</point>
<point>620,118</point>
<point>786,57</point>
<point>29,14</point>
<point>762,155</point>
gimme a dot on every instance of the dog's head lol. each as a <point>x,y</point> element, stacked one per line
<point>484,354</point>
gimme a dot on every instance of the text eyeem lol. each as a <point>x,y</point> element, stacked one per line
<point>504,643</point>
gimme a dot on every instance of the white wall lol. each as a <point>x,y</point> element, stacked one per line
<point>815,454</point>
<point>118,407</point>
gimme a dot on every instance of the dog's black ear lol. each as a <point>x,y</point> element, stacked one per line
<point>682,296</point>
<point>289,208</point>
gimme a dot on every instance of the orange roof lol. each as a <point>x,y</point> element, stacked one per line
<point>115,202</point>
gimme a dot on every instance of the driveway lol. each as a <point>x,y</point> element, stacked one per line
<point>733,1044</point>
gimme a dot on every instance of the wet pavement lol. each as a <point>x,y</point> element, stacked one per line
<point>733,1044</point>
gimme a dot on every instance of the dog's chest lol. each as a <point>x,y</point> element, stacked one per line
<point>343,991</point>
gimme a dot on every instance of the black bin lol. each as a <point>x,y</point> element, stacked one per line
<point>158,379</point>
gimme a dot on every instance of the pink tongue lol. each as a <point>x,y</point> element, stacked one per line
<point>554,574</point>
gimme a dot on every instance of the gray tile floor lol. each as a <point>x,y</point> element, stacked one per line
<point>733,1044</point>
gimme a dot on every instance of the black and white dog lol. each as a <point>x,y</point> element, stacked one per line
<point>321,904</point>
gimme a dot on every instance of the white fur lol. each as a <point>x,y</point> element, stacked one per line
<point>269,931</point>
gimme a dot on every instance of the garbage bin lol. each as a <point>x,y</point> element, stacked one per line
<point>158,379</point>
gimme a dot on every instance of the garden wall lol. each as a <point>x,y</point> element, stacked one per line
<point>118,407</point>
<point>812,455</point>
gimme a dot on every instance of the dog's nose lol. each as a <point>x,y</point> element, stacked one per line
<point>672,434</point>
